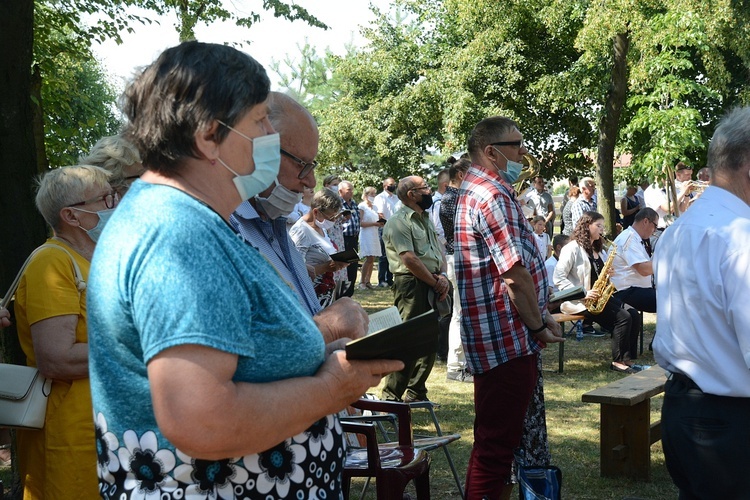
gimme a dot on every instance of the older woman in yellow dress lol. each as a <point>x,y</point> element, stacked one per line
<point>59,461</point>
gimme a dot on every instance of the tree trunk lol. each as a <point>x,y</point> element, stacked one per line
<point>609,128</point>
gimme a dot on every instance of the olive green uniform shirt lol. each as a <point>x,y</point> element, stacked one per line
<point>408,231</point>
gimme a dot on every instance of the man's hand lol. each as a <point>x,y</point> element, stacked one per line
<point>344,318</point>
<point>552,334</point>
<point>442,287</point>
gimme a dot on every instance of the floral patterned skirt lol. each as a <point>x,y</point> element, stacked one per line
<point>305,467</point>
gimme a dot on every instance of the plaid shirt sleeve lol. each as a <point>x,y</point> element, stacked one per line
<point>352,226</point>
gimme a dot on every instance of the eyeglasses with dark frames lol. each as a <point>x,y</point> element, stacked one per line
<point>307,167</point>
<point>110,200</point>
<point>517,144</point>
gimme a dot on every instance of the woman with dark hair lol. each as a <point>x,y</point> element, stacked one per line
<point>581,262</point>
<point>208,377</point>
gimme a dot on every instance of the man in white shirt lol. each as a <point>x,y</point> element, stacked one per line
<point>559,241</point>
<point>386,203</point>
<point>702,268</point>
<point>631,267</point>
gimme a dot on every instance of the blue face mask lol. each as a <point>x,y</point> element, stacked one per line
<point>96,231</point>
<point>513,169</point>
<point>267,159</point>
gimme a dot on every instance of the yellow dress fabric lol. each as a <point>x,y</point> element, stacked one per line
<point>59,461</point>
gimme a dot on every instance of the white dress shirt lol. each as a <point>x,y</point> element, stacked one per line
<point>386,203</point>
<point>654,198</point>
<point>549,265</point>
<point>630,251</point>
<point>702,268</point>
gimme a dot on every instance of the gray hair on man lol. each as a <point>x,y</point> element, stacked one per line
<point>730,146</point>
<point>65,186</point>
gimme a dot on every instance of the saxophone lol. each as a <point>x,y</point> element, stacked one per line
<point>603,285</point>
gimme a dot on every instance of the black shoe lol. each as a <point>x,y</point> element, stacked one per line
<point>615,368</point>
<point>415,399</point>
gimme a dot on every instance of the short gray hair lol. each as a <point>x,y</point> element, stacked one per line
<point>112,153</point>
<point>64,186</point>
<point>326,200</point>
<point>346,183</point>
<point>730,146</point>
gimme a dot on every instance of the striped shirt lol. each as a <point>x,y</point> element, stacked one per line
<point>273,242</point>
<point>491,235</point>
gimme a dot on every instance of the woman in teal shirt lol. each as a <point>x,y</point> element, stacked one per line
<point>208,378</point>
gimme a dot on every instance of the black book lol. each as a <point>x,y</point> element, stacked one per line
<point>405,341</point>
<point>345,256</point>
<point>574,293</point>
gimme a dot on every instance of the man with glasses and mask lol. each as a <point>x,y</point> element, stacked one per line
<point>585,202</point>
<point>632,269</point>
<point>504,294</point>
<point>261,221</point>
<point>416,259</point>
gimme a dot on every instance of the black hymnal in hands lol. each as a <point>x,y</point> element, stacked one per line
<point>405,341</point>
<point>345,256</point>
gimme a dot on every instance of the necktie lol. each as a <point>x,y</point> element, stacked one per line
<point>647,246</point>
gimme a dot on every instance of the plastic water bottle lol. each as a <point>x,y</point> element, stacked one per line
<point>579,330</point>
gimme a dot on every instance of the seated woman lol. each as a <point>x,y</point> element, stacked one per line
<point>581,262</point>
<point>311,237</point>
<point>209,379</point>
<point>59,461</point>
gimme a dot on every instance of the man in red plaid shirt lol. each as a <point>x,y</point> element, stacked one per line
<point>504,293</point>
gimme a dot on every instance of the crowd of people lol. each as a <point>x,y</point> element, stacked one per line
<point>190,297</point>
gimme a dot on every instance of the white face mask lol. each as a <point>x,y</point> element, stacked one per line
<point>267,159</point>
<point>371,199</point>
<point>280,202</point>
<point>325,224</point>
<point>334,188</point>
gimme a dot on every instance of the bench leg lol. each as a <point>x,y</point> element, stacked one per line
<point>560,356</point>
<point>625,441</point>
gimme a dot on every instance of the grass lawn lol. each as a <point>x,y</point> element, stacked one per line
<point>573,426</point>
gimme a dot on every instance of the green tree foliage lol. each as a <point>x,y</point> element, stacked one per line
<point>192,12</point>
<point>74,100</point>
<point>647,77</point>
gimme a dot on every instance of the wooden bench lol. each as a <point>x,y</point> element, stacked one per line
<point>562,318</point>
<point>626,431</point>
